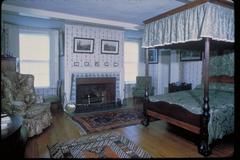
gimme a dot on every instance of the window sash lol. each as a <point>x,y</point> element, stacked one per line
<point>37,64</point>
<point>131,59</point>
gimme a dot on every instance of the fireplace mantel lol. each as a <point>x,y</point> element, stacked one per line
<point>96,80</point>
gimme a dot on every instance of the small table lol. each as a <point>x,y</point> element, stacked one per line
<point>175,87</point>
<point>14,125</point>
<point>12,142</point>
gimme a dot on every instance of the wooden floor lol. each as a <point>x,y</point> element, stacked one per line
<point>159,139</point>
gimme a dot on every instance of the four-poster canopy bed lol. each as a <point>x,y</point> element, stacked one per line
<point>203,25</point>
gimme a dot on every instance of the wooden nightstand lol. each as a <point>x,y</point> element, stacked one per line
<point>13,137</point>
<point>8,64</point>
<point>175,87</point>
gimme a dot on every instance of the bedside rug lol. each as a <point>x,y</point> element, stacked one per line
<point>98,145</point>
<point>99,121</point>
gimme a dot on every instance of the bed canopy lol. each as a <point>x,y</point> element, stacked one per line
<point>202,25</point>
<point>190,24</point>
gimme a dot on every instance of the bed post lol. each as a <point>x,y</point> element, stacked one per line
<point>145,121</point>
<point>204,147</point>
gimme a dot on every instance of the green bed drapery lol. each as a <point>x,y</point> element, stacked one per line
<point>205,20</point>
<point>203,23</point>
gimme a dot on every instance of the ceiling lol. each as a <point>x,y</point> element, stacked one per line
<point>124,11</point>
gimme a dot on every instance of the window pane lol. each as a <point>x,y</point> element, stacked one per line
<point>34,56</point>
<point>40,70</point>
<point>34,46</point>
<point>131,52</point>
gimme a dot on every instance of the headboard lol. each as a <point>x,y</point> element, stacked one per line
<point>222,79</point>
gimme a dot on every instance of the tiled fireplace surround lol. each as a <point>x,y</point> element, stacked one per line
<point>76,76</point>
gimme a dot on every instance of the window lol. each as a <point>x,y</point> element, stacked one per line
<point>35,56</point>
<point>131,52</point>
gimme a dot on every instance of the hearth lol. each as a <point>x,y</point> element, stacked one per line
<point>95,90</point>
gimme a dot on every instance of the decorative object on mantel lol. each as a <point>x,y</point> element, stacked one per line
<point>100,145</point>
<point>76,64</point>
<point>97,64</point>
<point>83,45</point>
<point>106,64</point>
<point>109,46</point>
<point>115,64</point>
<point>86,63</point>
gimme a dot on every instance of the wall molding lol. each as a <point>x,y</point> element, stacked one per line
<point>39,13</point>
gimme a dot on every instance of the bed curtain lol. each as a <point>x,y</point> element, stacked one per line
<point>205,20</point>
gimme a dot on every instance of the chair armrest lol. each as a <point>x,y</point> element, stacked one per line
<point>39,99</point>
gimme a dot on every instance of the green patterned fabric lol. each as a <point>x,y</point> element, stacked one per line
<point>221,105</point>
<point>193,24</point>
<point>51,99</point>
<point>222,65</point>
<point>228,87</point>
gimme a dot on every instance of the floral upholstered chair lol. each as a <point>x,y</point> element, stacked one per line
<point>19,98</point>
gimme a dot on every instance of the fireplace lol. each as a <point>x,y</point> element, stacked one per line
<point>95,90</point>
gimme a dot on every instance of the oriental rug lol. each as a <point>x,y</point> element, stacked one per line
<point>98,145</point>
<point>99,121</point>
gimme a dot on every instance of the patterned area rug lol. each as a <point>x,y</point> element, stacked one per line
<point>103,145</point>
<point>99,121</point>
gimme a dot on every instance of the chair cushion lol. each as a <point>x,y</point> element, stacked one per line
<point>51,99</point>
<point>37,109</point>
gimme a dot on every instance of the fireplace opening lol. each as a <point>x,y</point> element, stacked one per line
<point>96,90</point>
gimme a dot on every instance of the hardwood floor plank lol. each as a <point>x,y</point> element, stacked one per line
<point>159,139</point>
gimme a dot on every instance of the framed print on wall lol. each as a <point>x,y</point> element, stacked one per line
<point>109,46</point>
<point>83,45</point>
<point>152,56</point>
<point>190,56</point>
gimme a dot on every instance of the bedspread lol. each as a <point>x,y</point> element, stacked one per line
<point>221,103</point>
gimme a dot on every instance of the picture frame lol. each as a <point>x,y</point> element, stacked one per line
<point>152,56</point>
<point>190,55</point>
<point>109,46</point>
<point>83,45</point>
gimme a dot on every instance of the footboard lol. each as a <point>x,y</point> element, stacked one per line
<point>173,114</point>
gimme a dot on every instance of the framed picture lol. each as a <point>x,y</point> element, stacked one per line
<point>83,45</point>
<point>190,56</point>
<point>152,56</point>
<point>109,46</point>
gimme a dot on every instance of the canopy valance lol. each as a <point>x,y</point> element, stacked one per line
<point>193,24</point>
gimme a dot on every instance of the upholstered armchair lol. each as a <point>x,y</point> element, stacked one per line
<point>139,89</point>
<point>19,98</point>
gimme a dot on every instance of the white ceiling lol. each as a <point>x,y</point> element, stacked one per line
<point>125,11</point>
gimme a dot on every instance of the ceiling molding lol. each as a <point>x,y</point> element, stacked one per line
<point>58,15</point>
